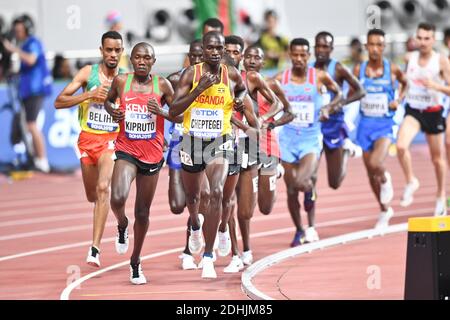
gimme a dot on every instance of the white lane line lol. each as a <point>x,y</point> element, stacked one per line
<point>66,292</point>
<point>253,293</point>
<point>334,209</point>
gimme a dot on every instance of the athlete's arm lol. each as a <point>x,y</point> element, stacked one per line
<point>113,94</point>
<point>66,98</point>
<point>184,97</point>
<point>335,105</point>
<point>167,98</point>
<point>174,78</point>
<point>240,90</point>
<point>252,128</point>
<point>357,90</point>
<point>445,71</point>
<point>355,72</point>
<point>288,115</point>
<point>400,76</point>
<point>256,82</point>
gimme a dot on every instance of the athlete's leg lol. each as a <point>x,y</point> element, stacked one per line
<point>246,196</point>
<point>105,167</point>
<point>408,130</point>
<point>228,201</point>
<point>437,152</point>
<point>374,163</point>
<point>145,190</point>
<point>192,185</point>
<point>216,172</point>
<point>336,165</point>
<point>267,183</point>
<point>123,175</point>
<point>447,139</point>
<point>177,199</point>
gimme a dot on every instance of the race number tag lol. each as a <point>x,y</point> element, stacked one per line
<point>139,123</point>
<point>206,123</point>
<point>375,105</point>
<point>99,119</point>
<point>304,114</point>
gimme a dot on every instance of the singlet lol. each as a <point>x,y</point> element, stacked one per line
<point>141,132</point>
<point>209,116</point>
<point>306,103</point>
<point>92,114</point>
<point>417,96</point>
<point>380,92</point>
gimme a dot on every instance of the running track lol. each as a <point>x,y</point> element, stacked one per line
<point>46,226</point>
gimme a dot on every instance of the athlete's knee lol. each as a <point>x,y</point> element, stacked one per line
<point>401,148</point>
<point>205,194</point>
<point>335,182</point>
<point>118,199</point>
<point>438,159</point>
<point>375,165</point>
<point>91,197</point>
<point>192,198</point>
<point>304,185</point>
<point>265,207</point>
<point>175,207</point>
<point>103,188</point>
<point>216,196</point>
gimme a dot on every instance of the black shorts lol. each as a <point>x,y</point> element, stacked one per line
<point>268,164</point>
<point>430,122</point>
<point>249,150</point>
<point>32,106</point>
<point>145,169</point>
<point>196,153</point>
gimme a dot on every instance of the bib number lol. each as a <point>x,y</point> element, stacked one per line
<point>206,123</point>
<point>375,105</point>
<point>304,114</point>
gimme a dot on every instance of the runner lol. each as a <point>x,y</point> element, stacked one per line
<point>205,95</point>
<point>98,132</point>
<point>426,72</point>
<point>334,130</point>
<point>139,146</point>
<point>301,140</point>
<point>375,129</point>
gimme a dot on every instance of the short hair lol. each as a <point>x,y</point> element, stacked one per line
<point>141,45</point>
<point>299,42</point>
<point>376,32</point>
<point>324,34</point>
<point>212,34</point>
<point>111,35</point>
<point>235,40</point>
<point>446,33</point>
<point>213,22</point>
<point>196,42</point>
<point>355,42</point>
<point>270,13</point>
<point>426,26</point>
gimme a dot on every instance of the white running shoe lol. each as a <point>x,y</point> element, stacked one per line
<point>383,220</point>
<point>408,193</point>
<point>247,257</point>
<point>354,150</point>
<point>280,171</point>
<point>386,189</point>
<point>311,235</point>
<point>42,165</point>
<point>208,271</point>
<point>200,265</point>
<point>93,257</point>
<point>136,274</point>
<point>235,265</point>
<point>122,240</point>
<point>187,262</point>
<point>196,238</point>
<point>224,247</point>
<point>441,207</point>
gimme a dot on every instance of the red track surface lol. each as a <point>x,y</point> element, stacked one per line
<point>46,229</point>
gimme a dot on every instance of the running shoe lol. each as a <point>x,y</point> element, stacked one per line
<point>224,246</point>
<point>200,265</point>
<point>311,235</point>
<point>235,265</point>
<point>386,189</point>
<point>187,262</point>
<point>136,274</point>
<point>93,257</point>
<point>408,193</point>
<point>383,220</point>
<point>208,271</point>
<point>441,208</point>
<point>196,238</point>
<point>247,257</point>
<point>122,240</point>
<point>299,239</point>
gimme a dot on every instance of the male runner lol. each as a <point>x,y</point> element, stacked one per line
<point>375,129</point>
<point>205,96</point>
<point>139,146</point>
<point>301,140</point>
<point>334,130</point>
<point>98,131</point>
<point>426,72</point>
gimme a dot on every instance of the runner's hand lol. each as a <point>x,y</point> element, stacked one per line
<point>100,93</point>
<point>394,105</point>
<point>238,105</point>
<point>324,114</point>
<point>116,113</point>
<point>207,80</point>
<point>154,107</point>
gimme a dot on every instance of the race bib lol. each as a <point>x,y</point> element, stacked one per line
<point>206,123</point>
<point>139,123</point>
<point>99,119</point>
<point>375,105</point>
<point>304,114</point>
<point>419,98</point>
<point>241,132</point>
